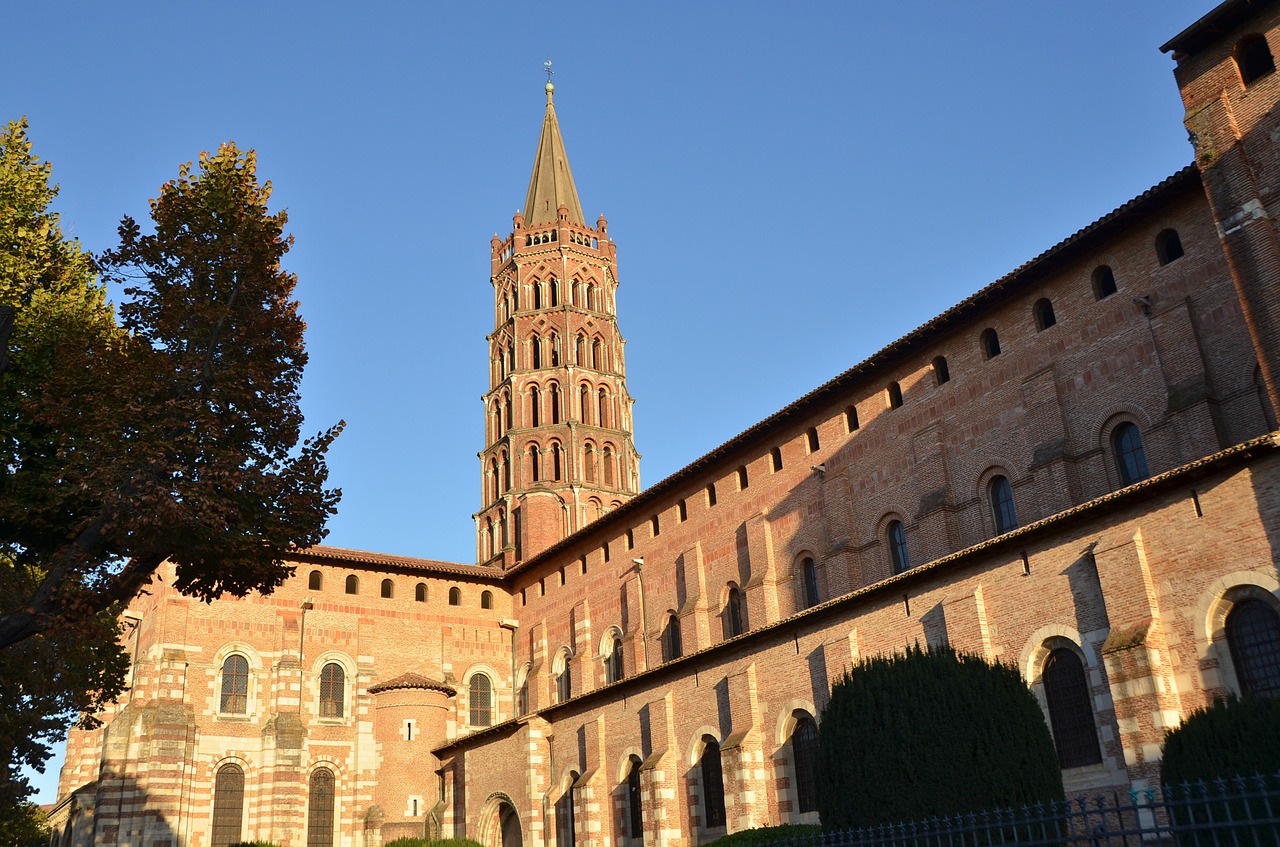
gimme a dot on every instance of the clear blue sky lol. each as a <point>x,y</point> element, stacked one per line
<point>791,186</point>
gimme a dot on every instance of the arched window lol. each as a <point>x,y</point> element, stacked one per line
<point>631,540</point>
<point>576,292</point>
<point>595,355</point>
<point>743,482</point>
<point>851,418</point>
<point>893,391</point>
<point>353,584</point>
<point>333,693</point>
<point>494,486</point>
<point>584,404</point>
<point>898,555</point>
<point>420,592</point>
<point>1042,311</point>
<point>480,698</point>
<point>812,436</point>
<point>613,663</point>
<point>388,588</point>
<point>602,401</point>
<point>537,295</point>
<point>564,679</point>
<point>564,814</point>
<point>315,580</point>
<point>589,463</point>
<point>535,406</point>
<point>1253,637</point>
<point>804,755</point>
<point>506,470</point>
<point>235,686</point>
<point>580,351</point>
<point>1168,246</point>
<point>809,576</point>
<point>554,290</point>
<point>941,373</point>
<point>990,343</point>
<point>486,599</point>
<point>1000,494</point>
<point>712,784</point>
<point>455,596</point>
<point>1066,690</point>
<point>1253,58</point>
<point>535,463</point>
<point>734,618</point>
<point>555,403</point>
<point>635,822</point>
<point>775,455</point>
<point>607,461</point>
<point>555,462</point>
<point>491,538</point>
<point>711,494</point>
<point>554,346</point>
<point>535,350</point>
<point>320,809</point>
<point>1104,282</point>
<point>672,648</point>
<point>228,806</point>
<point>522,697</point>
<point>1131,460</point>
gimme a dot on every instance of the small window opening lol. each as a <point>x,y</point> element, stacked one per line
<point>655,528</point>
<point>990,343</point>
<point>683,511</point>
<point>604,551</point>
<point>1168,246</point>
<point>631,540</point>
<point>898,547</point>
<point>1043,312</point>
<point>455,596</point>
<point>1253,58</point>
<point>583,565</point>
<point>894,391</point>
<point>315,580</point>
<point>711,494</point>
<point>1104,282</point>
<point>776,455</point>
<point>420,592</point>
<point>353,584</point>
<point>941,372</point>
<point>388,588</point>
<point>812,435</point>
<point>743,482</point>
<point>486,600</point>
<point>851,418</point>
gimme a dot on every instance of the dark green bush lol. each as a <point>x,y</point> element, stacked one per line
<point>254,844</point>
<point>433,842</point>
<point>931,732</point>
<point>767,835</point>
<point>1232,737</point>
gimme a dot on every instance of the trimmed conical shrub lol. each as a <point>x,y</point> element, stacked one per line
<point>931,732</point>
<point>1231,737</point>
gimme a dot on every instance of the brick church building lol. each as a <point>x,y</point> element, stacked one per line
<point>1076,470</point>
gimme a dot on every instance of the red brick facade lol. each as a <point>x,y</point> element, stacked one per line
<point>1079,459</point>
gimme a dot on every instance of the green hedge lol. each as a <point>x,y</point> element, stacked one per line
<point>433,842</point>
<point>1232,737</point>
<point>931,732</point>
<point>765,836</point>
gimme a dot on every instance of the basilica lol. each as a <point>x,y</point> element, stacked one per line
<point>1075,470</point>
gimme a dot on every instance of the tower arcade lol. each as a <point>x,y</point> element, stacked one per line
<point>559,450</point>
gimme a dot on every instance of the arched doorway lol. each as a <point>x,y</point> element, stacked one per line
<point>500,823</point>
<point>510,823</point>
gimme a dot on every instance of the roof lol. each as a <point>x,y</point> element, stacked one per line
<point>1224,18</point>
<point>362,558</point>
<point>551,185</point>
<point>1067,250</point>
<point>412,680</point>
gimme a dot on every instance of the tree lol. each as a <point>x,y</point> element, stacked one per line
<point>171,434</point>
<point>1230,737</point>
<point>931,732</point>
<point>26,825</point>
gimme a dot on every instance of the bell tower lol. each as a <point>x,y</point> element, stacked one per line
<point>559,450</point>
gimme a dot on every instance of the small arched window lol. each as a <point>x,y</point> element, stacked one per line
<point>989,341</point>
<point>812,436</point>
<point>1131,460</point>
<point>535,350</point>
<point>486,599</point>
<point>1066,691</point>
<point>734,615</point>
<point>613,662</point>
<point>480,698</point>
<point>672,646</point>
<point>941,373</point>
<point>589,463</point>
<point>1252,630</point>
<point>809,576</point>
<point>535,406</point>
<point>712,784</point>
<point>235,686</point>
<point>631,540</point>
<point>1168,246</point>
<point>535,463</point>
<point>564,680</point>
<point>555,461</point>
<point>682,511</point>
<point>228,806</point>
<point>584,404</point>
<point>602,402</point>
<point>898,555</point>
<point>743,482</point>
<point>893,391</point>
<point>1253,58</point>
<point>320,809</point>
<point>333,694</point>
<point>635,822</point>
<point>804,753</point>
<point>420,592</point>
<point>555,403</point>
<point>388,588</point>
<point>851,418</point>
<point>775,456</point>
<point>455,596</point>
<point>1000,494</point>
<point>1104,282</point>
<point>1042,311</point>
<point>711,494</point>
<point>315,580</point>
<point>353,584</point>
<point>537,295</point>
<point>554,290</point>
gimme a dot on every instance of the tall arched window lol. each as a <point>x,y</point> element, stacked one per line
<point>535,351</point>
<point>228,806</point>
<point>809,575</point>
<point>535,406</point>
<point>607,462</point>
<point>1066,690</point>
<point>589,463</point>
<point>554,291</point>
<point>388,588</point>
<point>420,592</point>
<point>315,580</point>
<point>941,371</point>
<point>812,438</point>
<point>613,663</point>
<point>1000,494</point>
<point>804,756</point>
<point>1253,637</point>
<point>580,351</point>
<point>320,809</point>
<point>1104,282</point>
<point>353,584</point>
<point>712,784</point>
<point>894,394</point>
<point>775,456</point>
<point>535,463</point>
<point>898,554</point>
<point>635,821</point>
<point>1131,460</point>
<point>1168,246</point>
<point>989,341</point>
<point>734,618</point>
<point>235,686</point>
<point>486,599</point>
<point>455,596</point>
<point>556,462</point>
<point>564,679</point>
<point>672,648</point>
<point>537,295</point>
<point>596,361</point>
<point>555,403</point>
<point>480,698</point>
<point>602,401</point>
<point>554,347</point>
<point>333,691</point>
<point>565,833</point>
<point>1043,314</point>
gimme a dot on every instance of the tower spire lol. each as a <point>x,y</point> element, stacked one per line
<point>551,185</point>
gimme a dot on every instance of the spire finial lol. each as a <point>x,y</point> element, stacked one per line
<point>550,88</point>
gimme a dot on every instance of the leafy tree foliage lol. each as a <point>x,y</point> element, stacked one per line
<point>1231,737</point>
<point>25,825</point>
<point>931,732</point>
<point>171,433</point>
